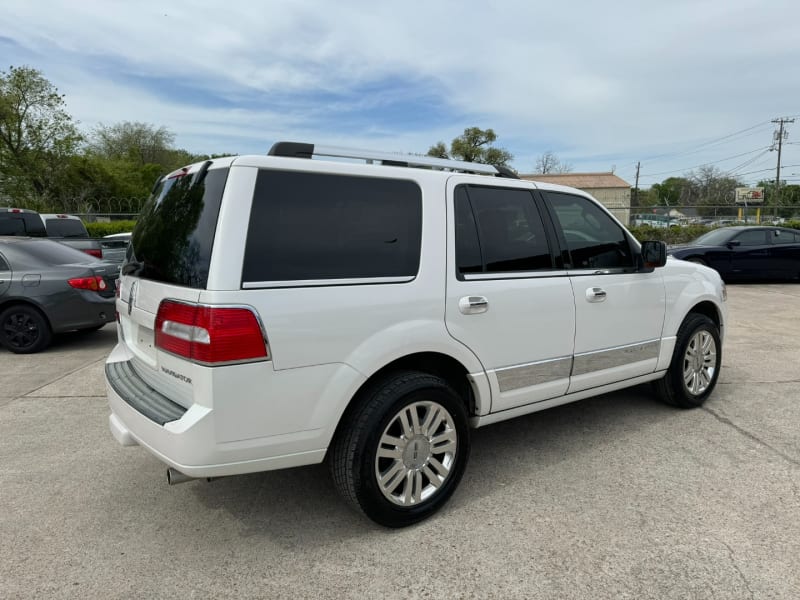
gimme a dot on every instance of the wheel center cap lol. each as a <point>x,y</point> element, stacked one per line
<point>417,452</point>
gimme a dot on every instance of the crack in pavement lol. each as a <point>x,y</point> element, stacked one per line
<point>52,396</point>
<point>52,381</point>
<point>725,420</point>
<point>749,381</point>
<point>736,566</point>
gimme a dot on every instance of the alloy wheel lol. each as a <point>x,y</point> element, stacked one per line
<point>699,362</point>
<point>416,453</point>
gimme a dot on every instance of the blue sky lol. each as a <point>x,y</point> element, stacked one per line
<point>674,85</point>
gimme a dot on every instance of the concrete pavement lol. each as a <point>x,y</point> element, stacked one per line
<point>613,497</point>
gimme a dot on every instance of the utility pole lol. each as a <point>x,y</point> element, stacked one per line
<point>779,136</point>
<point>636,187</point>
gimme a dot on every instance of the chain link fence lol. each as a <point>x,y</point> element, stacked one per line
<point>711,216</point>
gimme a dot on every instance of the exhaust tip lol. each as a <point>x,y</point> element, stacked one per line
<point>174,477</point>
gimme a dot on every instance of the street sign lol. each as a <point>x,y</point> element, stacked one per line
<point>748,195</point>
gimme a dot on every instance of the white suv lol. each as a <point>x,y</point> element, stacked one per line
<point>281,310</point>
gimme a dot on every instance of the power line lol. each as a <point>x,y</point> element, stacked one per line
<point>713,162</point>
<point>746,163</point>
<point>712,142</point>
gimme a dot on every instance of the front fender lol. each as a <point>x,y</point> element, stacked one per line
<point>687,285</point>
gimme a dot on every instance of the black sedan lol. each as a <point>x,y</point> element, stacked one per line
<point>740,253</point>
<point>47,288</point>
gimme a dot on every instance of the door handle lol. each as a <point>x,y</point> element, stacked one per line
<point>596,294</point>
<point>473,305</point>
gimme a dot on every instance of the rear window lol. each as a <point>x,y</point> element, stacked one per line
<point>21,224</point>
<point>173,238</point>
<point>39,253</point>
<point>314,226</point>
<point>68,228</point>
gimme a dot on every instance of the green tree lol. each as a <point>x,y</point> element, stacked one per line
<point>786,205</point>
<point>138,144</point>
<point>474,145</point>
<point>37,137</point>
<point>673,191</point>
<point>643,197</point>
<point>134,154</point>
<point>438,150</point>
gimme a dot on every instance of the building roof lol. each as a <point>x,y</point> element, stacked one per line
<point>581,180</point>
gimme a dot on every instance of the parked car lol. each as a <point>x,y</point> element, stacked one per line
<point>67,229</point>
<point>278,311</point>
<point>21,221</point>
<point>746,252</point>
<point>48,288</point>
<point>115,246</point>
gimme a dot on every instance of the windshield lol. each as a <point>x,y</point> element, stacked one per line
<point>718,237</point>
<point>173,238</point>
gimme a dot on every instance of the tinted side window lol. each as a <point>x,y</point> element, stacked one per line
<point>784,237</point>
<point>4,264</point>
<point>594,240</point>
<point>755,237</point>
<point>306,226</point>
<point>468,248</point>
<point>510,231</point>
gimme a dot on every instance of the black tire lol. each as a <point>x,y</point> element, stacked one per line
<point>356,467</point>
<point>24,329</point>
<point>673,388</point>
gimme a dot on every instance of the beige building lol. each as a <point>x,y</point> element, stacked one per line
<point>614,192</point>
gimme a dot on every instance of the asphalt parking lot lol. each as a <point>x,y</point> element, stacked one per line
<point>613,497</point>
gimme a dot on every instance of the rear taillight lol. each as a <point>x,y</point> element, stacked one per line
<point>209,335</point>
<point>95,253</point>
<point>95,284</point>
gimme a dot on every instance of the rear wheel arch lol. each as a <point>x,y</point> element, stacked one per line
<point>10,302</point>
<point>451,370</point>
<point>44,327</point>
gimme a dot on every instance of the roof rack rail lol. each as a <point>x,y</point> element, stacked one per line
<point>301,150</point>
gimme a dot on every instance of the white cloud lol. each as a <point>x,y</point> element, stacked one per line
<point>595,82</point>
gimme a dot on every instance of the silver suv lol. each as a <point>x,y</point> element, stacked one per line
<point>368,309</point>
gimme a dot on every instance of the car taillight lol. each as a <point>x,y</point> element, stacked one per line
<point>209,334</point>
<point>94,252</point>
<point>96,284</point>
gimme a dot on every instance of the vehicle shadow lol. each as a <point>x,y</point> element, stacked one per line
<point>103,338</point>
<point>300,507</point>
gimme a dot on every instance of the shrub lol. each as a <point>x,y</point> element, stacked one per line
<point>683,234</point>
<point>670,235</point>
<point>98,230</point>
